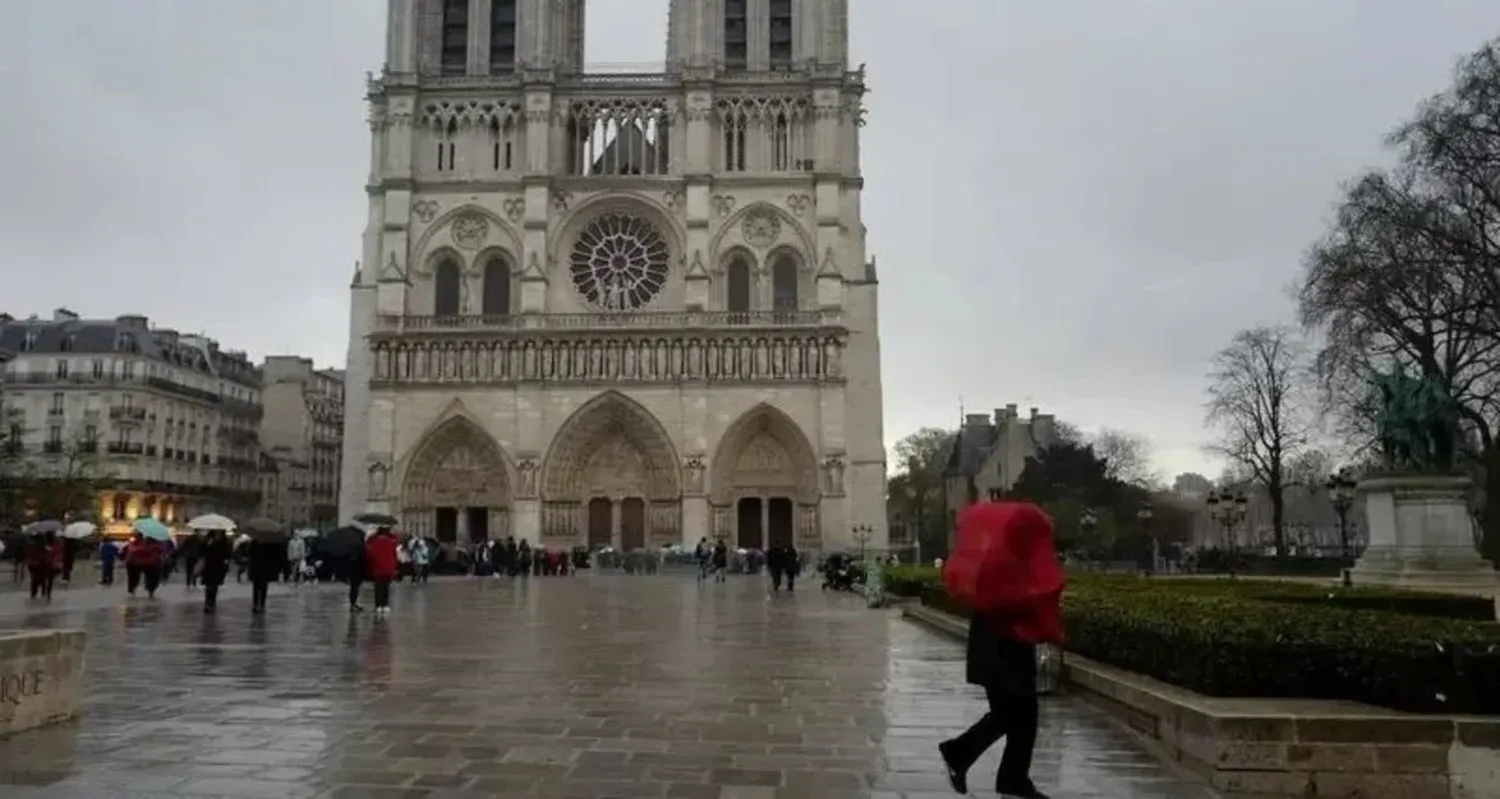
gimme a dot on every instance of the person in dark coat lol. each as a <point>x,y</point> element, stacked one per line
<point>721,560</point>
<point>189,554</point>
<point>1001,659</point>
<point>354,569</point>
<point>215,553</point>
<point>776,564</point>
<point>267,559</point>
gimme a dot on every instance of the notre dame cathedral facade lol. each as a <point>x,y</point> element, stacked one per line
<point>617,309</point>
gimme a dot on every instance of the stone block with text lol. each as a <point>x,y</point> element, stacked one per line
<point>41,677</point>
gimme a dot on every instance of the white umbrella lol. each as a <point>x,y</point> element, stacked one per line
<point>212,521</point>
<point>307,532</point>
<point>79,529</point>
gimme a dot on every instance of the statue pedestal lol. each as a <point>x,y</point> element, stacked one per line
<point>1421,535</point>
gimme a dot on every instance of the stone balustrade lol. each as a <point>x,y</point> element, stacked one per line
<point>41,678</point>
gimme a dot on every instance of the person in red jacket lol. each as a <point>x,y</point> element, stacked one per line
<point>143,559</point>
<point>382,564</point>
<point>1003,639</point>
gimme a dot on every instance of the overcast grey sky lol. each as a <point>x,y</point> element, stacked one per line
<point>1073,202</point>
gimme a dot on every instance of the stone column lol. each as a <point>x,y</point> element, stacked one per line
<point>765,522</point>
<point>526,524</point>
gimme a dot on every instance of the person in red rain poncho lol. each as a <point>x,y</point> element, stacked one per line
<point>1006,561</point>
<point>382,564</point>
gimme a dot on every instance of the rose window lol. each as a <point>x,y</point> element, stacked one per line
<point>619,262</point>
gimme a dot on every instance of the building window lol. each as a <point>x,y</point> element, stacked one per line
<point>781,144</point>
<point>98,369</point>
<point>781,34</point>
<point>447,148</point>
<point>737,288</point>
<point>54,436</point>
<point>121,506</point>
<point>13,439</point>
<point>455,52</point>
<point>446,289</point>
<point>57,404</point>
<point>496,293</point>
<point>503,144</point>
<point>735,126</point>
<point>502,36</point>
<point>735,30</point>
<point>62,368</point>
<point>28,342</point>
<point>784,284</point>
<point>91,433</point>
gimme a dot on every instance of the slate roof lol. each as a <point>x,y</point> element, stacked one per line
<point>970,448</point>
<point>65,333</point>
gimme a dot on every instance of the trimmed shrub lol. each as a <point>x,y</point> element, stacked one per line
<point>1249,638</point>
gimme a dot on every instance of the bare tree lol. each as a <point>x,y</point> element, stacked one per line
<point>1409,272</point>
<point>1256,402</point>
<point>1128,456</point>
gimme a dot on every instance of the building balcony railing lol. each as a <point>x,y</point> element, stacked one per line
<point>644,320</point>
<point>127,413</point>
<point>123,448</point>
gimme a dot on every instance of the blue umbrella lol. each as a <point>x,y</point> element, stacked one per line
<point>151,528</point>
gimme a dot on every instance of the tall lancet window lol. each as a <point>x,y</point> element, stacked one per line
<point>781,34</point>
<point>736,34</point>
<point>455,57</point>
<point>502,36</point>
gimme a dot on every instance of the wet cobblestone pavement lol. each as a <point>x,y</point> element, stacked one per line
<point>597,686</point>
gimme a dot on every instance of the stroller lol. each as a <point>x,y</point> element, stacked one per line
<point>841,573</point>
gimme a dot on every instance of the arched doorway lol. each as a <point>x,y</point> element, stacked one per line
<point>765,483</point>
<point>456,486</point>
<point>611,478</point>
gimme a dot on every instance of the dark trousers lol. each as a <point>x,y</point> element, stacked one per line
<point>775,578</point>
<point>41,581</point>
<point>67,570</point>
<point>382,593</point>
<point>210,595</point>
<point>132,577</point>
<point>151,576</point>
<point>190,571</point>
<point>354,585</point>
<point>259,587</point>
<point>107,573</point>
<point>1012,717</point>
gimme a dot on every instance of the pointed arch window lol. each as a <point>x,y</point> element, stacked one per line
<point>455,50</point>
<point>737,285</point>
<point>502,142</point>
<point>780,37</point>
<point>495,299</point>
<point>502,37</point>
<point>784,280</point>
<point>445,301</point>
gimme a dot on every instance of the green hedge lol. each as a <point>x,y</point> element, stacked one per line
<point>1247,638</point>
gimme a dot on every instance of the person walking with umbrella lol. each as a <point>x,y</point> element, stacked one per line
<point>145,554</point>
<point>345,547</point>
<point>382,562</point>
<point>267,558</point>
<point>216,553</point>
<point>1004,566</point>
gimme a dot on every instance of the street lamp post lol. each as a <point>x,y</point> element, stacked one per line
<point>1341,488</point>
<point>862,533</point>
<point>1144,517</point>
<point>1087,522</point>
<point>1228,509</point>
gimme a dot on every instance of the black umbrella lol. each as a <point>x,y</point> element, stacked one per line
<point>342,543</point>
<point>265,530</point>
<point>376,519</point>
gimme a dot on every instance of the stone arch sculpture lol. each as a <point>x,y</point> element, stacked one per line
<point>764,485</point>
<point>612,451</point>
<point>456,479</point>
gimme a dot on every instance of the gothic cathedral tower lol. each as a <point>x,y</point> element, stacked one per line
<point>617,310</point>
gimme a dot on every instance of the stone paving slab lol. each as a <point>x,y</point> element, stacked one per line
<point>595,686</point>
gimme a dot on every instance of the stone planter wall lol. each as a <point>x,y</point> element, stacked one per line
<point>41,678</point>
<point>1290,747</point>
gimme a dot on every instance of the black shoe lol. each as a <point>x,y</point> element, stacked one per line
<point>1019,790</point>
<point>957,777</point>
<point>356,609</point>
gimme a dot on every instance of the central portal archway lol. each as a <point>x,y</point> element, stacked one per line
<point>611,479</point>
<point>765,483</point>
<point>456,486</point>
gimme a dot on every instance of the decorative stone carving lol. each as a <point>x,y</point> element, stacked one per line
<point>619,262</point>
<point>515,209</point>
<point>561,198</point>
<point>723,204</point>
<point>672,199</point>
<point>760,229</point>
<point>798,204</point>
<point>692,475</point>
<point>526,472</point>
<point>424,210</point>
<point>641,358</point>
<point>392,271</point>
<point>470,231</point>
<point>833,476</point>
<point>379,475</point>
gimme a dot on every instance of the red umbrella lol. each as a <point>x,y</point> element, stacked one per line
<point>1003,557</point>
